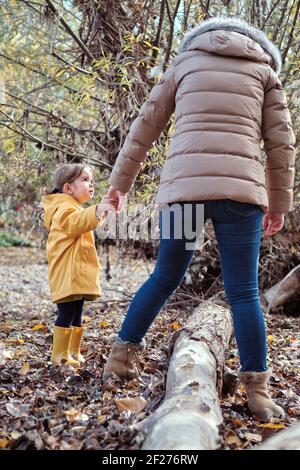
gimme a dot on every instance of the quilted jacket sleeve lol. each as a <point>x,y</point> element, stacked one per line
<point>144,131</point>
<point>279,142</point>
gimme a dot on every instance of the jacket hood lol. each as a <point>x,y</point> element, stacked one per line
<point>52,202</point>
<point>243,40</point>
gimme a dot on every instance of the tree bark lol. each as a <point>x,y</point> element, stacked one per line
<point>285,289</point>
<point>289,439</point>
<point>190,415</point>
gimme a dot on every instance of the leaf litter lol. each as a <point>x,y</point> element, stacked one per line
<point>48,407</point>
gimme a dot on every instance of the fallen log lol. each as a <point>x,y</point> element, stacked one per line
<point>190,416</point>
<point>281,292</point>
<point>289,439</point>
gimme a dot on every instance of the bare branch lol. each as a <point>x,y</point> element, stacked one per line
<point>62,148</point>
<point>70,31</point>
<point>171,33</point>
<point>291,35</point>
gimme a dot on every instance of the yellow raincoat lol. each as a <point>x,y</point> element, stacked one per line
<point>73,264</point>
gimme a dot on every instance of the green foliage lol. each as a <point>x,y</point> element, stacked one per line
<point>9,239</point>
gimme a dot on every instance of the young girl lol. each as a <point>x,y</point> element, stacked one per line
<point>73,265</point>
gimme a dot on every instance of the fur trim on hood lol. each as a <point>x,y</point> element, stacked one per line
<point>239,26</point>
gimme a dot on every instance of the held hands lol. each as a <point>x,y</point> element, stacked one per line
<point>272,223</point>
<point>103,208</point>
<point>115,197</point>
<point>112,201</point>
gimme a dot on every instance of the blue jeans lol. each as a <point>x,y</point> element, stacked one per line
<point>238,229</point>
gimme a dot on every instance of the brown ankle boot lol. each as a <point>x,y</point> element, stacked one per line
<point>259,401</point>
<point>123,360</point>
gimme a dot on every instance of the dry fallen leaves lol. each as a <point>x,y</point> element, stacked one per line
<point>252,437</point>
<point>234,440</point>
<point>271,426</point>
<point>3,443</point>
<point>86,319</point>
<point>24,369</point>
<point>42,395</point>
<point>135,405</point>
<point>151,367</point>
<point>101,419</point>
<point>175,325</point>
<point>6,354</point>
<point>76,415</point>
<point>40,326</point>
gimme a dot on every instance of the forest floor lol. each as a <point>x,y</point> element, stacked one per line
<point>48,407</point>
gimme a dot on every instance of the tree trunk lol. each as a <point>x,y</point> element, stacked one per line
<point>190,415</point>
<point>288,439</point>
<point>285,289</point>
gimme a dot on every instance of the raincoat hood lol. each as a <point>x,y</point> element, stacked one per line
<point>52,202</point>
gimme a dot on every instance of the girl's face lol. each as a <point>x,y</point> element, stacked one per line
<point>82,189</point>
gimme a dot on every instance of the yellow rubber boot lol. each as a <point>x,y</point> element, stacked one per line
<point>61,346</point>
<point>76,338</point>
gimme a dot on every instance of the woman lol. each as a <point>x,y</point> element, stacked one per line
<point>224,89</point>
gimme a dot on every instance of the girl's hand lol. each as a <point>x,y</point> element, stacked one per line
<point>272,223</point>
<point>116,197</point>
<point>104,206</point>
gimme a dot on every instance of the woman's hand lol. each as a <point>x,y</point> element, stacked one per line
<point>116,197</point>
<point>272,223</point>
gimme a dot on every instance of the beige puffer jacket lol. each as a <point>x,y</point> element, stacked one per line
<point>228,100</point>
